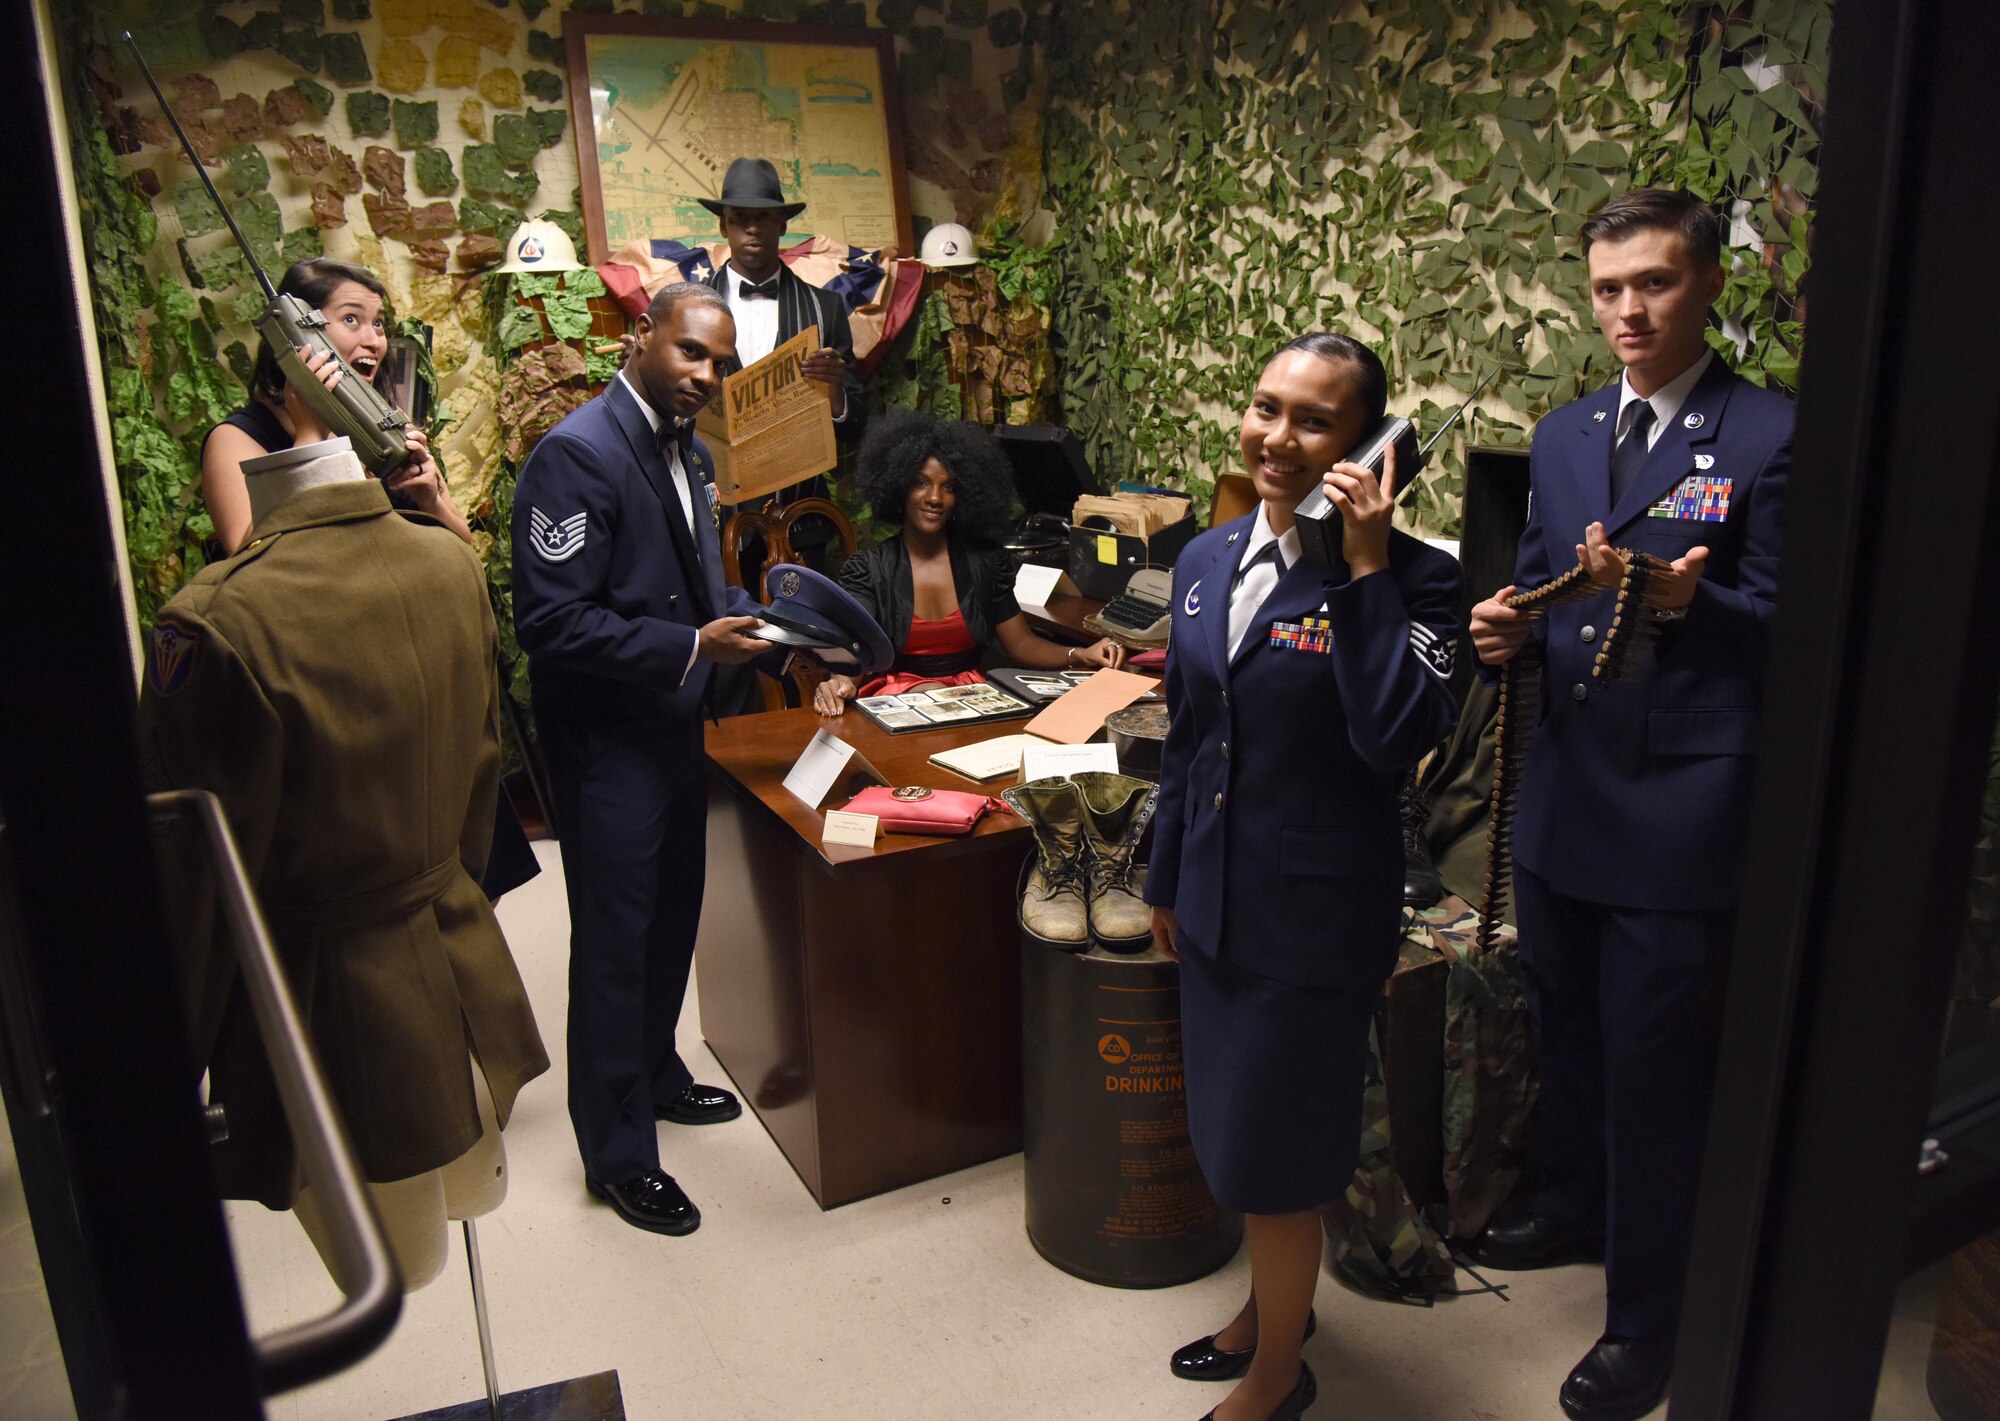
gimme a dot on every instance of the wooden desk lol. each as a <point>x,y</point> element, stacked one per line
<point>1065,618</point>
<point>867,1002</point>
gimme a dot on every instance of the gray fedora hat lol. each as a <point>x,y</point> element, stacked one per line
<point>752,182</point>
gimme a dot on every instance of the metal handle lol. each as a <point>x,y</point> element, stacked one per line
<point>361,1263</point>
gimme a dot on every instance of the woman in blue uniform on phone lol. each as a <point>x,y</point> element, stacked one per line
<point>1298,693</point>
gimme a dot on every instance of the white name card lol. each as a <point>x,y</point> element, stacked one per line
<point>858,830</point>
<point>1033,585</point>
<point>1040,759</point>
<point>818,767</point>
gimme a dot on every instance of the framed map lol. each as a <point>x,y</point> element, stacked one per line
<point>660,108</point>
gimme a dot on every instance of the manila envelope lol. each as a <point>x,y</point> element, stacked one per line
<point>1075,716</point>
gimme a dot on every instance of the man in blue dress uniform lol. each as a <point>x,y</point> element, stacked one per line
<point>620,604</point>
<point>1629,835</point>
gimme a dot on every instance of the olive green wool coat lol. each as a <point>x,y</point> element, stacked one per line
<point>334,684</point>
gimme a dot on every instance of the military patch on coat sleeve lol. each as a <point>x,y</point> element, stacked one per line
<point>170,662</point>
<point>1435,651</point>
<point>556,542</point>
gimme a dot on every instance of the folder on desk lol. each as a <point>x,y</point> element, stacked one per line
<point>1074,718</point>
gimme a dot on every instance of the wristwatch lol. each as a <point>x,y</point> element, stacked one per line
<point>1666,614</point>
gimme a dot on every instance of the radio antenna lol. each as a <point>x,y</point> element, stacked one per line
<point>1446,426</point>
<point>270,292</point>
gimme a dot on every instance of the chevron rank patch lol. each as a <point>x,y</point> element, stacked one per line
<point>170,661</point>
<point>1697,500</point>
<point>556,542</point>
<point>1438,653</point>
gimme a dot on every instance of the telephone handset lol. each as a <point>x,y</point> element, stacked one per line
<point>1317,519</point>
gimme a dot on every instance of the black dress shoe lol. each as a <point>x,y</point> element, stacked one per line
<point>1534,1242</point>
<point>700,1105</point>
<point>1297,1402</point>
<point>1203,1361</point>
<point>652,1202</point>
<point>1618,1380</point>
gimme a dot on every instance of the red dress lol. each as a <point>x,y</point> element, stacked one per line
<point>933,636</point>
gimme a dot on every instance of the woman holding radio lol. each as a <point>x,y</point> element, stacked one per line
<point>354,302</point>
<point>1297,695</point>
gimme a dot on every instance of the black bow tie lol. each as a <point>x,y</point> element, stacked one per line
<point>676,434</point>
<point>768,290</point>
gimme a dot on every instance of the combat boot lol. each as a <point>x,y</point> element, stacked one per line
<point>1116,809</point>
<point>1052,905</point>
<point>1422,887</point>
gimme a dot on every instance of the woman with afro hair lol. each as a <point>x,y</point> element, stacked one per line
<point>939,587</point>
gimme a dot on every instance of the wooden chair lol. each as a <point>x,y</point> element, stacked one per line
<point>1235,495</point>
<point>773,527</point>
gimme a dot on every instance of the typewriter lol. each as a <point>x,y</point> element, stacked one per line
<point>1138,616</point>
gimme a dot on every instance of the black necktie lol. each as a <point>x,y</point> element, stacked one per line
<point>676,451</point>
<point>1631,452</point>
<point>1270,553</point>
<point>767,290</point>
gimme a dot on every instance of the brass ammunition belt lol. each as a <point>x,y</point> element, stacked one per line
<point>1631,631</point>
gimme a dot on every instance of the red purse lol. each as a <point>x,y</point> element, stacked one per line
<point>918,809</point>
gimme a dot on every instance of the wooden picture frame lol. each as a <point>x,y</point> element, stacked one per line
<point>607,230</point>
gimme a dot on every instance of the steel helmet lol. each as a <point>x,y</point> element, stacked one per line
<point>540,246</point>
<point>948,244</point>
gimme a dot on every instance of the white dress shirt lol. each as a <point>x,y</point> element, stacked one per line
<point>680,477</point>
<point>1258,578</point>
<point>756,320</point>
<point>673,459</point>
<point>1666,401</point>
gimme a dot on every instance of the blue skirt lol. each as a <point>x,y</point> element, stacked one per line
<point>1275,1074</point>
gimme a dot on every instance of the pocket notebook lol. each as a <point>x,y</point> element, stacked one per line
<point>987,759</point>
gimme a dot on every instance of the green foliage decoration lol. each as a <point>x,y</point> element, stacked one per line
<point>368,113</point>
<point>435,174</point>
<point>317,96</point>
<point>346,61</point>
<point>1229,174</point>
<point>161,371</point>
<point>415,123</point>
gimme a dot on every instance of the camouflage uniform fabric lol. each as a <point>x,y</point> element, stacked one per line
<point>1380,1238</point>
<point>1489,1068</point>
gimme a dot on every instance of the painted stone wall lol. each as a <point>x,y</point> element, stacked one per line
<point>411,136</point>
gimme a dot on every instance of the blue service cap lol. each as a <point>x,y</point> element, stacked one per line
<point>817,615</point>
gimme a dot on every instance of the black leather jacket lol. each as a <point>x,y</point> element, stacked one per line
<point>984,576</point>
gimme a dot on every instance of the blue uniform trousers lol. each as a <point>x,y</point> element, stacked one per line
<point>631,807</point>
<point>1626,1004</point>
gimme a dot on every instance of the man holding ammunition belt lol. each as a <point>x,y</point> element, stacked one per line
<point>1629,836</point>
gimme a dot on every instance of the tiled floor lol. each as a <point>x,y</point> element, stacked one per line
<point>926,1303</point>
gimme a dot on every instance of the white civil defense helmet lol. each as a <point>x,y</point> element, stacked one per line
<point>540,246</point>
<point>948,244</point>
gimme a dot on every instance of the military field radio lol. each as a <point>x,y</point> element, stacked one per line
<point>1631,631</point>
<point>1318,519</point>
<point>354,408</point>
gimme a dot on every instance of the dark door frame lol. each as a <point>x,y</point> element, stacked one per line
<point>106,1118</point>
<point>1878,717</point>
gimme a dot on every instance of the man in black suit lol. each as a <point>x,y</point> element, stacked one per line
<point>771,305</point>
<point>620,604</point>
